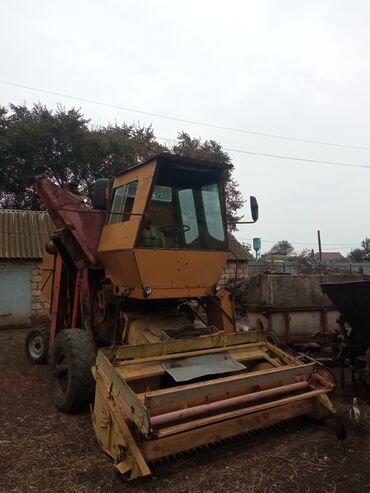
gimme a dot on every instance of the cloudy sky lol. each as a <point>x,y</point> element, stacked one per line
<point>287,68</point>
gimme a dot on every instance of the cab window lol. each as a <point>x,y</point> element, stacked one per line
<point>122,203</point>
<point>185,210</point>
<point>212,211</point>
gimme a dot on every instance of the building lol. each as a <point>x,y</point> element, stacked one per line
<point>237,263</point>
<point>23,235</point>
<point>330,257</point>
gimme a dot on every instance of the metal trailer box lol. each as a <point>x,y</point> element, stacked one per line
<point>293,307</point>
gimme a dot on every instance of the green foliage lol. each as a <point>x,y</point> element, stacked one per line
<point>360,254</point>
<point>356,255</point>
<point>282,247</point>
<point>247,246</point>
<point>365,244</point>
<point>60,145</point>
<point>38,143</point>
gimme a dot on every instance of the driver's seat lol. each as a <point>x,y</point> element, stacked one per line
<point>151,237</point>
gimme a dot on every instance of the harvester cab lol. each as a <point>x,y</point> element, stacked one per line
<point>165,238</point>
<point>136,277</point>
<point>166,220</point>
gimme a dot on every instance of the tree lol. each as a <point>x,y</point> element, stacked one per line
<point>109,150</point>
<point>356,255</point>
<point>365,244</point>
<point>247,246</point>
<point>306,253</point>
<point>38,143</point>
<point>35,143</point>
<point>282,247</point>
<point>360,254</point>
<point>62,146</point>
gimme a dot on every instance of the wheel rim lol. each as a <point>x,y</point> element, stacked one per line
<point>61,372</point>
<point>36,347</point>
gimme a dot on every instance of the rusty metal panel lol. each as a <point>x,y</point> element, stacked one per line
<point>79,227</point>
<point>184,369</point>
<point>23,234</point>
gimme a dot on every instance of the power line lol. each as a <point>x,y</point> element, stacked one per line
<point>293,158</point>
<point>183,120</point>
<point>304,243</point>
<point>242,151</point>
<point>281,156</point>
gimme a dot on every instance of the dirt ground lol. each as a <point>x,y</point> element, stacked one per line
<point>43,450</point>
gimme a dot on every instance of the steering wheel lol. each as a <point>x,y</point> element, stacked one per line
<point>175,227</point>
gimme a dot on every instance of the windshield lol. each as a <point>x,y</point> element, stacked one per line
<point>185,211</point>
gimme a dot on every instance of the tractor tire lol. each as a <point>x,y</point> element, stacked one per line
<point>37,345</point>
<point>71,360</point>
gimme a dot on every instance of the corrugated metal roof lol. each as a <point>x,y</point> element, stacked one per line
<point>237,249</point>
<point>23,234</point>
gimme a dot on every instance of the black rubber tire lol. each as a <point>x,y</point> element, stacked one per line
<point>37,345</point>
<point>71,360</point>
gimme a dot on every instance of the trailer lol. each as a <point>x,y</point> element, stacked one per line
<point>295,309</point>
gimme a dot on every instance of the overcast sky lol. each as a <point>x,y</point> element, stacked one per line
<point>296,69</point>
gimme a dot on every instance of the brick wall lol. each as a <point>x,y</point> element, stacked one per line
<point>40,308</point>
<point>230,271</point>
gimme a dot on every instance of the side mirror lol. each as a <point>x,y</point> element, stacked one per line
<point>254,208</point>
<point>100,194</point>
<point>254,212</point>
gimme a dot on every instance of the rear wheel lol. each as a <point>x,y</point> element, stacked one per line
<point>37,345</point>
<point>71,360</point>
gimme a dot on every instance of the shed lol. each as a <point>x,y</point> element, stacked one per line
<point>237,263</point>
<point>23,235</point>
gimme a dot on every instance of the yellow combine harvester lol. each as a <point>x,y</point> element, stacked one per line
<point>136,277</point>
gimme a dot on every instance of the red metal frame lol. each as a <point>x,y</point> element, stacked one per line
<point>57,280</point>
<point>76,303</point>
<point>76,238</point>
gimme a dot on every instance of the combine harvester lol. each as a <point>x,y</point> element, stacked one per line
<point>135,278</point>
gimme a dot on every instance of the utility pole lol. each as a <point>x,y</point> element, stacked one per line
<point>319,242</point>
